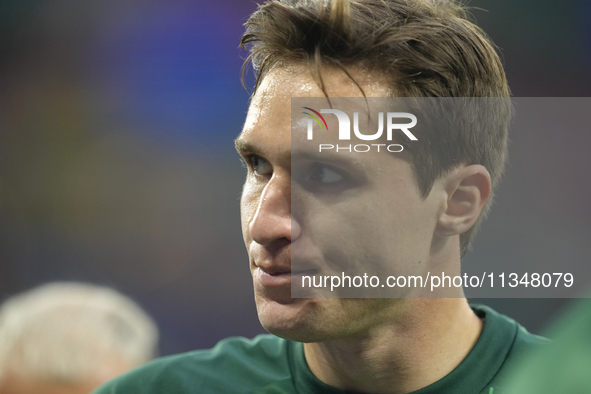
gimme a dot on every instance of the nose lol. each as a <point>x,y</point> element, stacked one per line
<point>272,220</point>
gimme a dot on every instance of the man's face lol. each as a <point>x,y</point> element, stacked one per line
<point>334,212</point>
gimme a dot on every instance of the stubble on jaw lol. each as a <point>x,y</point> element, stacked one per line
<point>312,320</point>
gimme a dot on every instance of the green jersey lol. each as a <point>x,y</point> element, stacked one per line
<point>271,365</point>
<point>565,365</point>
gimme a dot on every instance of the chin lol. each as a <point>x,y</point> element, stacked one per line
<point>300,320</point>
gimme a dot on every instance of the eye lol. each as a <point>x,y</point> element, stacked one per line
<point>323,174</point>
<point>324,180</point>
<point>260,166</point>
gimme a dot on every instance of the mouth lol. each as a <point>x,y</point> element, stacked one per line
<point>275,271</point>
<point>278,277</point>
<point>272,277</point>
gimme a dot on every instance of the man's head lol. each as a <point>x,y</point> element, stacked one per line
<point>419,48</point>
<point>70,338</point>
<point>422,204</point>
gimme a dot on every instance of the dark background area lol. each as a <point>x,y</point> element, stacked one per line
<point>117,121</point>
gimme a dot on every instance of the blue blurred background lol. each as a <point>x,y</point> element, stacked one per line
<point>117,166</point>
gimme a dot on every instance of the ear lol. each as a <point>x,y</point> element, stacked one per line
<point>467,190</point>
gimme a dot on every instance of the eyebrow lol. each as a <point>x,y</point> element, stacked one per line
<point>243,147</point>
<point>327,157</point>
<point>247,148</point>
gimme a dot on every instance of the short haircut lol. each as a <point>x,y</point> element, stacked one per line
<point>426,48</point>
<point>68,332</point>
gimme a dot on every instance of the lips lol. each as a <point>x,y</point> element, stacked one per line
<point>273,267</point>
<point>277,277</point>
<point>272,278</point>
<point>274,270</point>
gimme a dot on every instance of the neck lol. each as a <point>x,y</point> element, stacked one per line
<point>404,355</point>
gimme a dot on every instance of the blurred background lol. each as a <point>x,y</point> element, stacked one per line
<point>117,165</point>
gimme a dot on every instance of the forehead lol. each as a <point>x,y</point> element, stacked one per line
<point>298,81</point>
<point>270,109</point>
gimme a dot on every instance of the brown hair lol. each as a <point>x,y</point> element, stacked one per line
<point>427,48</point>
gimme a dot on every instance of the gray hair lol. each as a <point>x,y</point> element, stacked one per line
<point>67,332</point>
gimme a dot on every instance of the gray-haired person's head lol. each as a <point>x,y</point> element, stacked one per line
<point>68,333</point>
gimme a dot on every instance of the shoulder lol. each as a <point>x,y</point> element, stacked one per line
<point>521,339</point>
<point>562,367</point>
<point>506,340</point>
<point>234,364</point>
